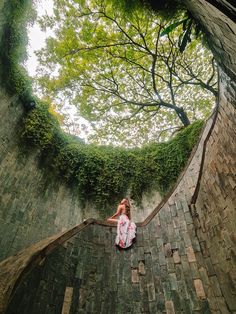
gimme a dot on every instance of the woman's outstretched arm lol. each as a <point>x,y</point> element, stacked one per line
<point>113,218</point>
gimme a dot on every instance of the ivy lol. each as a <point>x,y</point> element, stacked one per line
<point>101,174</point>
<point>105,174</point>
<point>40,127</point>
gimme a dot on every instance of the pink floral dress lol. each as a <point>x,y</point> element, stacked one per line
<point>126,231</point>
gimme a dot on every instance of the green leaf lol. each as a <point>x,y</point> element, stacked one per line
<point>171,27</point>
<point>186,39</point>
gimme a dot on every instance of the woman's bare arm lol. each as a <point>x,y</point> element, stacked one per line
<point>118,212</point>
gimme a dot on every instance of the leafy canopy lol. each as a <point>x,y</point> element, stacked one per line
<point>102,174</point>
<point>132,84</point>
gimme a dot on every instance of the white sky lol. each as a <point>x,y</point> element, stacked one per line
<point>37,41</point>
<point>77,125</point>
<point>36,36</point>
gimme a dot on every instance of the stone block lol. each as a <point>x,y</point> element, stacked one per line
<point>166,290</point>
<point>170,265</point>
<point>134,276</point>
<point>134,259</point>
<point>199,289</point>
<point>185,206</point>
<point>194,270</point>
<point>171,232</point>
<point>215,286</point>
<point>186,238</point>
<point>145,233</point>
<point>179,272</point>
<point>137,307</point>
<point>167,250</point>
<point>160,303</point>
<point>67,300</point>
<point>188,217</point>
<point>148,260</point>
<point>162,260</point>
<point>169,307</point>
<point>140,253</point>
<point>146,247</point>
<point>222,306</point>
<point>195,244</point>
<point>183,291</point>
<point>173,281</point>
<point>176,298</point>
<point>209,266</point>
<point>186,267</point>
<point>163,273</point>
<point>152,307</point>
<point>190,254</point>
<point>204,276</point>
<point>159,243</point>
<point>176,257</point>
<point>141,268</point>
<point>151,291</point>
<point>173,210</point>
<point>178,205</point>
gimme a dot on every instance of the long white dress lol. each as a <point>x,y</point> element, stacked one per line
<point>126,231</point>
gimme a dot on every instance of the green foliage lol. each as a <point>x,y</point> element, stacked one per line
<point>104,174</point>
<point>129,82</point>
<point>171,27</point>
<point>101,174</point>
<point>165,8</point>
<point>169,158</point>
<point>40,126</point>
<point>12,48</point>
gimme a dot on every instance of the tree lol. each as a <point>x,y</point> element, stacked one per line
<point>131,83</point>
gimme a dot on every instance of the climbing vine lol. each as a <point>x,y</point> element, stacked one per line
<point>101,174</point>
<point>104,174</point>
<point>12,48</point>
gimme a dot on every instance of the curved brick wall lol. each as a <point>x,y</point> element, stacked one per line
<point>88,275</point>
<point>174,267</point>
<point>184,260</point>
<point>33,203</point>
<point>215,208</point>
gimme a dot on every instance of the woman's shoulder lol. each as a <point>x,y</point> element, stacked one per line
<point>121,207</point>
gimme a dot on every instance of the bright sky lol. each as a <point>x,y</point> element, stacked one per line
<point>36,36</point>
<point>73,123</point>
<point>37,41</point>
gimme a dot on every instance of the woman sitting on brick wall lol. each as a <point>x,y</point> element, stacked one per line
<point>126,229</point>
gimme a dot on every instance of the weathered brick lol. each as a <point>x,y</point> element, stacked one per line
<point>169,307</point>
<point>190,254</point>
<point>134,276</point>
<point>199,288</point>
<point>176,257</point>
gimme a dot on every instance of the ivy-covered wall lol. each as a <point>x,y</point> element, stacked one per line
<point>51,181</point>
<point>184,260</point>
<point>173,267</point>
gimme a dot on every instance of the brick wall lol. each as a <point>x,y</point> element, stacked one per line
<point>218,20</point>
<point>170,269</point>
<point>182,262</point>
<point>164,272</point>
<point>160,274</point>
<point>184,258</point>
<point>215,208</point>
<point>34,204</point>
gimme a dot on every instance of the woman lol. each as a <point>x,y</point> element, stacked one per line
<point>126,229</point>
